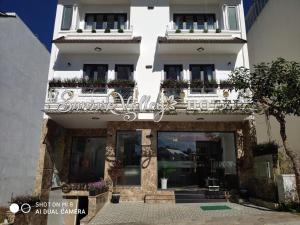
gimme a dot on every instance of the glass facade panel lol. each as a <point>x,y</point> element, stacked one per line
<point>105,20</point>
<point>67,17</point>
<point>87,159</point>
<point>129,153</point>
<point>232,18</point>
<point>173,72</point>
<point>187,21</point>
<point>196,158</point>
<point>95,72</point>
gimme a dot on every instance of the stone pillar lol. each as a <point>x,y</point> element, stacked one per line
<point>149,161</point>
<point>44,168</point>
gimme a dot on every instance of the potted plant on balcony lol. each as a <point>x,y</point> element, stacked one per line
<point>79,31</point>
<point>55,83</point>
<point>218,30</point>
<point>174,84</point>
<point>177,31</point>
<point>191,30</point>
<point>115,171</point>
<point>71,82</point>
<point>197,84</point>
<point>94,31</point>
<point>121,84</point>
<point>205,30</point>
<point>120,30</point>
<point>226,84</point>
<point>107,30</point>
<point>209,85</point>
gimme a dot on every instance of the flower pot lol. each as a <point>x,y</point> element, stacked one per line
<point>115,198</point>
<point>164,183</point>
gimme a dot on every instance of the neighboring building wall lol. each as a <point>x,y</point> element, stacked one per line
<point>275,34</point>
<point>24,65</point>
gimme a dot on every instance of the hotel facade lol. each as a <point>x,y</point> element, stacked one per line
<point>144,82</point>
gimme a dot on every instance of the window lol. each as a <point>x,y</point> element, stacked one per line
<point>67,17</point>
<point>195,158</point>
<point>124,72</point>
<point>87,159</point>
<point>232,18</point>
<point>194,21</point>
<point>105,20</point>
<point>205,73</point>
<point>95,72</point>
<point>173,72</point>
<point>129,152</point>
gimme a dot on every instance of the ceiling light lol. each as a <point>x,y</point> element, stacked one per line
<point>97,49</point>
<point>201,49</point>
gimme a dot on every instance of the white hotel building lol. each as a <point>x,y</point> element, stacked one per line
<point>176,54</point>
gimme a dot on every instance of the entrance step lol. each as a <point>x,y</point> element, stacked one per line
<point>199,196</point>
<point>160,197</point>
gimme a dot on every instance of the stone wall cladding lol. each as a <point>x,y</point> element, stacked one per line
<point>149,180</point>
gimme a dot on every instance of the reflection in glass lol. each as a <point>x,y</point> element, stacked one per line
<point>87,159</point>
<point>194,158</point>
<point>129,153</point>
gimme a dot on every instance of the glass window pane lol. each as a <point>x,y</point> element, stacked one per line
<point>189,19</point>
<point>121,22</point>
<point>124,72</point>
<point>197,158</point>
<point>129,153</point>
<point>89,21</point>
<point>195,70</point>
<point>210,21</point>
<point>67,18</point>
<point>173,72</point>
<point>110,21</point>
<point>200,22</point>
<point>99,21</point>
<point>178,21</point>
<point>232,18</point>
<point>87,159</point>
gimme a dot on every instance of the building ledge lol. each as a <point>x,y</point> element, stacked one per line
<point>202,40</point>
<point>64,39</point>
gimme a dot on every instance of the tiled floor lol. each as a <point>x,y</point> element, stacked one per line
<point>189,214</point>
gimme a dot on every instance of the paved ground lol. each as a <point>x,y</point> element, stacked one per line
<point>190,214</point>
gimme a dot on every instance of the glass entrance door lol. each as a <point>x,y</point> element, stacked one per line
<point>196,159</point>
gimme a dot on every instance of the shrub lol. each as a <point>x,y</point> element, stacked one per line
<point>175,84</point>
<point>226,84</point>
<point>107,30</point>
<point>121,84</point>
<point>79,31</point>
<point>94,31</point>
<point>205,31</point>
<point>120,31</point>
<point>197,84</point>
<point>178,31</point>
<point>211,84</point>
<point>191,30</point>
<point>218,30</point>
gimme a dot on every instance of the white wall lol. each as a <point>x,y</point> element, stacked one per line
<point>24,65</point>
<point>276,34</point>
<point>149,24</point>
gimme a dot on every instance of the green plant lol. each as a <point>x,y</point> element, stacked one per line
<point>191,30</point>
<point>121,84</point>
<point>197,84</point>
<point>178,31</point>
<point>210,84</point>
<point>175,84</point>
<point>269,148</point>
<point>218,30</point>
<point>274,89</point>
<point>205,31</point>
<point>94,31</point>
<point>107,30</point>
<point>120,30</point>
<point>29,199</point>
<point>226,84</point>
<point>79,31</point>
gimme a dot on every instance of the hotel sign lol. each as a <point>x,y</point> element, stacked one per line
<point>129,109</point>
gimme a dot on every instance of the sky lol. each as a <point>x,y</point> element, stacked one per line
<point>39,16</point>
